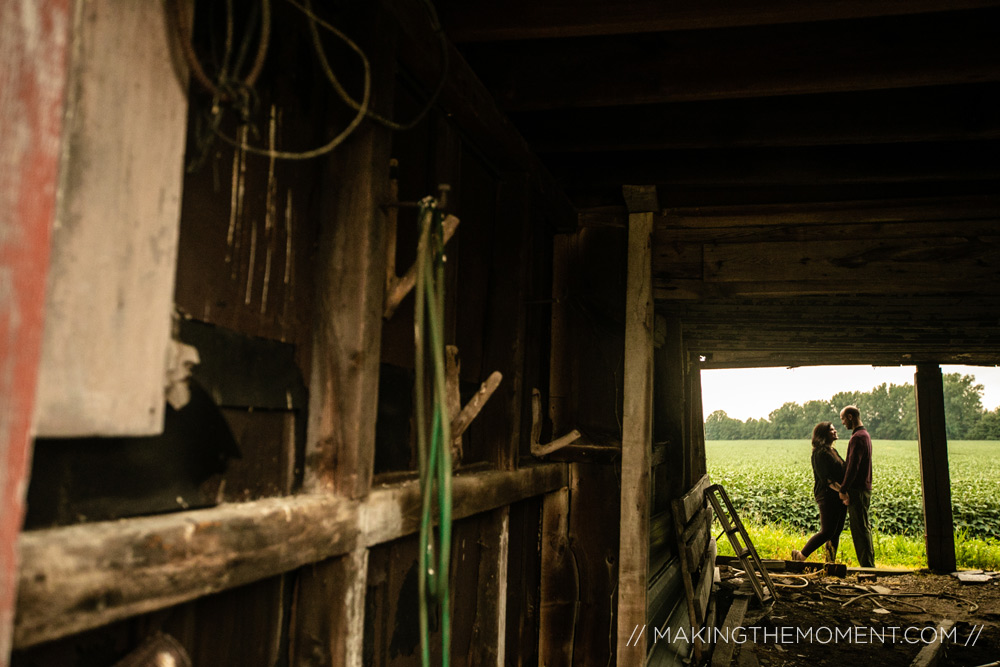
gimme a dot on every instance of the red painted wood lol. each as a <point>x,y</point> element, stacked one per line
<point>33,48</point>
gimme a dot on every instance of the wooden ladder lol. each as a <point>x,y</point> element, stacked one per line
<point>746,552</point>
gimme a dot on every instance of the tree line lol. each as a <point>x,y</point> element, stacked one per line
<point>889,411</point>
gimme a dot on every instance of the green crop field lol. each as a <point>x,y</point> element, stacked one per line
<point>770,483</point>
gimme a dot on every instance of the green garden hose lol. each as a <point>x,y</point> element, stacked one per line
<point>435,459</point>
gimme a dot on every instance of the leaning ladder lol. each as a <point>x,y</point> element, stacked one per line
<point>746,552</point>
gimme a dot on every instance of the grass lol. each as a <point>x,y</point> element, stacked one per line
<point>777,541</point>
<point>770,483</point>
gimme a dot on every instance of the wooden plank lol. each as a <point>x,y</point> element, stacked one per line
<point>846,212</point>
<point>706,575</point>
<point>661,532</point>
<point>594,539</point>
<point>33,44</point>
<point>633,560</point>
<point>107,330</point>
<point>350,293</point>
<point>933,653</point>
<point>687,568</point>
<point>925,114</point>
<point>489,630</point>
<point>497,20</point>
<point>664,591</point>
<point>334,594</point>
<point>692,501</point>
<point>521,645</point>
<point>935,482</point>
<point>395,511</point>
<point>723,654</point>
<point>678,251</point>
<point>830,172</point>
<point>560,589</point>
<point>83,576</point>
<point>700,536</point>
<point>939,263</point>
<point>739,63</point>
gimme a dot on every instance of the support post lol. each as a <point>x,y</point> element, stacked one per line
<point>935,481</point>
<point>637,430</point>
<point>559,590</point>
<point>347,333</point>
<point>350,293</point>
<point>33,43</point>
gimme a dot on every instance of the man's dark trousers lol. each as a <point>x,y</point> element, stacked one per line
<point>861,527</point>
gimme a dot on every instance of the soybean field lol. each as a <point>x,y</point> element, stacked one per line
<point>770,482</point>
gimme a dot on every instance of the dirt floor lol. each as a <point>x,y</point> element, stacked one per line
<point>818,620</point>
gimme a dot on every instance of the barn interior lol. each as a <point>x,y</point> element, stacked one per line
<point>213,264</point>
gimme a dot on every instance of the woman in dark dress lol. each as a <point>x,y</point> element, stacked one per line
<point>828,470</point>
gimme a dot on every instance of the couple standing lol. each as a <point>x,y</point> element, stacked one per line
<point>841,487</point>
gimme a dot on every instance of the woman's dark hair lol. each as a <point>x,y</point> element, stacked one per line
<point>821,435</point>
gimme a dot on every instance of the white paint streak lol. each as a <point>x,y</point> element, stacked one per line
<point>253,257</point>
<point>269,209</point>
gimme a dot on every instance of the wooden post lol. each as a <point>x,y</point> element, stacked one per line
<point>350,291</point>
<point>637,434</point>
<point>33,40</point>
<point>489,632</point>
<point>935,482</point>
<point>347,333</point>
<point>559,590</point>
<point>696,419</point>
<point>331,633</point>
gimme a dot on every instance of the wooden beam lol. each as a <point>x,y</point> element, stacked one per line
<point>774,356</point>
<point>641,198</point>
<point>924,114</point>
<point>33,45</point>
<point>590,195</point>
<point>935,482</point>
<point>470,105</point>
<point>932,162</point>
<point>80,577</point>
<point>960,209</point>
<point>742,62</point>
<point>497,20</point>
<point>637,427</point>
<point>350,292</point>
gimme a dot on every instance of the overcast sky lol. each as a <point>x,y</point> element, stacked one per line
<point>755,392</point>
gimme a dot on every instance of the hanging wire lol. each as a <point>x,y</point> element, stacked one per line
<point>240,93</point>
<point>181,23</point>
<point>345,96</point>
<point>362,109</point>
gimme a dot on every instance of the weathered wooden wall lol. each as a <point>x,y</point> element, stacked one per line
<point>279,285</point>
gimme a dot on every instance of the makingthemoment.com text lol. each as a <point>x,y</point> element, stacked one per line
<point>852,634</point>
